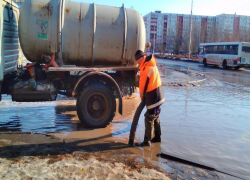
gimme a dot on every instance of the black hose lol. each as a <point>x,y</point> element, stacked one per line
<point>135,122</point>
<point>195,163</point>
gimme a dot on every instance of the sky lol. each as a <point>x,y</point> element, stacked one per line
<point>200,7</point>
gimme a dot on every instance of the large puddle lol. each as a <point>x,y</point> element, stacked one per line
<point>42,117</point>
<point>208,124</point>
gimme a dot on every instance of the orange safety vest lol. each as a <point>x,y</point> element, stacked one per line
<point>150,85</point>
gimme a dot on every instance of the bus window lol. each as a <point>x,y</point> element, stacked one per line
<point>235,49</point>
<point>220,49</point>
<point>6,14</point>
<point>246,49</point>
<point>201,50</point>
<point>209,49</point>
<point>227,50</point>
<point>215,50</point>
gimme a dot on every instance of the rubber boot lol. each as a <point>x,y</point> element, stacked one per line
<point>149,125</point>
<point>157,127</point>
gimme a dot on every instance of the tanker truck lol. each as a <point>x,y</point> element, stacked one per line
<point>80,50</point>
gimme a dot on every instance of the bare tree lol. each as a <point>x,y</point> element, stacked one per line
<point>170,40</point>
<point>248,36</point>
<point>177,45</point>
<point>227,35</point>
<point>219,35</point>
<point>244,34</point>
<point>213,34</point>
<point>195,38</point>
<point>185,39</point>
<point>235,36</point>
<point>185,42</point>
<point>160,47</point>
<point>203,33</point>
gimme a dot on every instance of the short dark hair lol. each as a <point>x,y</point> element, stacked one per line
<point>139,54</point>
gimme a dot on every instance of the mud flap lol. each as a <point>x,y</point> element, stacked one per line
<point>120,105</point>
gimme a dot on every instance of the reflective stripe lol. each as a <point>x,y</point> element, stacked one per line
<point>156,104</point>
<point>151,70</point>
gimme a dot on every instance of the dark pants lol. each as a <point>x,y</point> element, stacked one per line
<point>152,124</point>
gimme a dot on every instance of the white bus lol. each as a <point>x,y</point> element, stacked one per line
<point>225,54</point>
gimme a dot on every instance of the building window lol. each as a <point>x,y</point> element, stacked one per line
<point>153,28</point>
<point>152,36</point>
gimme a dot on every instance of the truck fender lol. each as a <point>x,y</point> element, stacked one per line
<point>100,76</point>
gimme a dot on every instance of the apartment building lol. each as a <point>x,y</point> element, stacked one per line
<point>165,31</point>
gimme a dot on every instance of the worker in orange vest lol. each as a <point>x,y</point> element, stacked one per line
<point>151,92</point>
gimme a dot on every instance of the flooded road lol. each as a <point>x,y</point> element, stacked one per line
<point>209,124</point>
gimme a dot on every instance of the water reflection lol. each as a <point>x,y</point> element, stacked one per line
<point>210,125</point>
<point>57,116</point>
<point>41,117</point>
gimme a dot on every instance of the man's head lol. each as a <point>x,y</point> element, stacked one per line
<point>139,55</point>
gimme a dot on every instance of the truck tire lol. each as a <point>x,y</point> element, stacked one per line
<point>204,62</point>
<point>96,106</point>
<point>224,64</point>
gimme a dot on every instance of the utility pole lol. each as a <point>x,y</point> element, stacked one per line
<point>190,38</point>
<point>154,43</point>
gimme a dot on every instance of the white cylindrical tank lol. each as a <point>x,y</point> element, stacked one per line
<point>79,33</point>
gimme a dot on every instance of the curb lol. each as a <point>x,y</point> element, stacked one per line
<point>180,60</point>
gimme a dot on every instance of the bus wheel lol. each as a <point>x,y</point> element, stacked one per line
<point>224,64</point>
<point>96,106</point>
<point>204,62</point>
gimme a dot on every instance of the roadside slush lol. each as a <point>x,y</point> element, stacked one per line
<point>183,77</point>
<point>95,153</point>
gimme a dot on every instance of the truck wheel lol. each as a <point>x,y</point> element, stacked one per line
<point>96,106</point>
<point>204,62</point>
<point>224,64</point>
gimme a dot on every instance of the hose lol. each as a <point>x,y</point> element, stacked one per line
<point>135,122</point>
